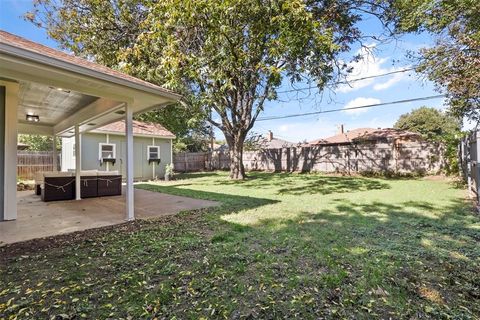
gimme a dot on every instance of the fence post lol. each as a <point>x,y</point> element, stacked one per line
<point>186,162</point>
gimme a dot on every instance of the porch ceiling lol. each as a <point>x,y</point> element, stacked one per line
<point>51,104</point>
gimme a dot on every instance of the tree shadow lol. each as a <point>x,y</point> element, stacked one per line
<point>288,183</point>
<point>232,202</point>
<point>332,184</point>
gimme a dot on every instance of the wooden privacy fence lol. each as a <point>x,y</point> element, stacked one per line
<point>399,157</point>
<point>30,162</point>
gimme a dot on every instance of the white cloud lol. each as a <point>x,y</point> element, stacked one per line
<point>357,102</point>
<point>370,65</point>
<point>390,82</point>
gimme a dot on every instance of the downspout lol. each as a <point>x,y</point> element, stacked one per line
<point>153,162</point>
<point>108,141</point>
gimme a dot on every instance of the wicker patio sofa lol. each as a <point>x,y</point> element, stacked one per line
<point>58,186</point>
<point>88,184</point>
<point>109,183</point>
<point>54,185</point>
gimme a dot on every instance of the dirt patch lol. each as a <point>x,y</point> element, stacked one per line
<point>34,246</point>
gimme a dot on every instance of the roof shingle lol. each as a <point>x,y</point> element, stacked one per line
<point>139,128</point>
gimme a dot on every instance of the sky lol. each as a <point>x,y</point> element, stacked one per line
<point>380,58</point>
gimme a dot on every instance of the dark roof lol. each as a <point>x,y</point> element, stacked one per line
<point>139,128</point>
<point>24,44</point>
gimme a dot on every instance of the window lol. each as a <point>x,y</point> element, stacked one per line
<point>153,152</point>
<point>106,151</point>
<point>74,151</point>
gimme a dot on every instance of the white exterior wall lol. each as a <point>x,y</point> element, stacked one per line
<point>9,150</point>
<point>142,169</point>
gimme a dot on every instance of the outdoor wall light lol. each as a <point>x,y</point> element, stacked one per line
<point>59,89</point>
<point>32,118</point>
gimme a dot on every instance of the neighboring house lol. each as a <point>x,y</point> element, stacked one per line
<point>104,149</point>
<point>371,135</point>
<point>270,142</point>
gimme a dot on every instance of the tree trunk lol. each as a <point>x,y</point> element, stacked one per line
<point>237,170</point>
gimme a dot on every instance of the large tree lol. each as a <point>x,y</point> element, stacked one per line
<point>438,126</point>
<point>227,57</point>
<point>453,63</point>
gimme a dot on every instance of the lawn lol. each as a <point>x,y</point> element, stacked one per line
<point>278,246</point>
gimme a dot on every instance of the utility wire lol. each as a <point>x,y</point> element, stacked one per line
<point>352,108</point>
<point>353,80</point>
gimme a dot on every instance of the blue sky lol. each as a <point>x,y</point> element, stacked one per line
<point>384,58</point>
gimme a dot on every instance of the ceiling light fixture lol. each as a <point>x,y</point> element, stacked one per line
<point>32,118</point>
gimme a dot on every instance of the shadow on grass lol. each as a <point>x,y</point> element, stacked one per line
<point>418,251</point>
<point>196,175</point>
<point>408,260</point>
<point>305,183</point>
<point>233,202</point>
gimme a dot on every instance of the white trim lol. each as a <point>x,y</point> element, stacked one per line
<point>171,153</point>
<point>148,156</point>
<point>115,133</point>
<point>54,153</point>
<point>78,161</point>
<point>130,210</point>
<point>100,150</point>
<point>107,140</point>
<point>10,174</point>
<point>153,147</point>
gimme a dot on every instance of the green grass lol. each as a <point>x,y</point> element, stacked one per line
<point>278,246</point>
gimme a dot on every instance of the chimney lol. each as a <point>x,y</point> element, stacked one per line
<point>341,129</point>
<point>270,135</point>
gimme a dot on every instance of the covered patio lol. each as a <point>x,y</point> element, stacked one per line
<point>49,92</point>
<point>37,219</point>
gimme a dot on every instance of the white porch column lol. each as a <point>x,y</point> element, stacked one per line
<point>78,161</point>
<point>130,215</point>
<point>9,186</point>
<point>54,153</point>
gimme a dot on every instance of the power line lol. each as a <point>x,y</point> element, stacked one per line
<point>352,108</point>
<point>353,80</point>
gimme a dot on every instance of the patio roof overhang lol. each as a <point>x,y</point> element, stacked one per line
<point>72,89</point>
<point>70,95</point>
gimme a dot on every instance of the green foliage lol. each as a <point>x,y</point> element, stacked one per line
<point>225,57</point>
<point>430,122</point>
<point>169,170</point>
<point>453,63</point>
<point>38,142</point>
<point>278,246</point>
<point>435,125</point>
<point>185,122</point>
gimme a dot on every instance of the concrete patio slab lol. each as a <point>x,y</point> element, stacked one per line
<point>37,219</point>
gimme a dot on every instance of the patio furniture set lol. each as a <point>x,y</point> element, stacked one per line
<point>60,185</point>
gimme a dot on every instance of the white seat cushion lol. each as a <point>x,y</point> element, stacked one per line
<point>88,173</point>
<point>53,174</point>
<point>108,173</point>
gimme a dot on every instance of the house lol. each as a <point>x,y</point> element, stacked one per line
<point>104,149</point>
<point>50,92</point>
<point>270,142</point>
<point>370,135</point>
